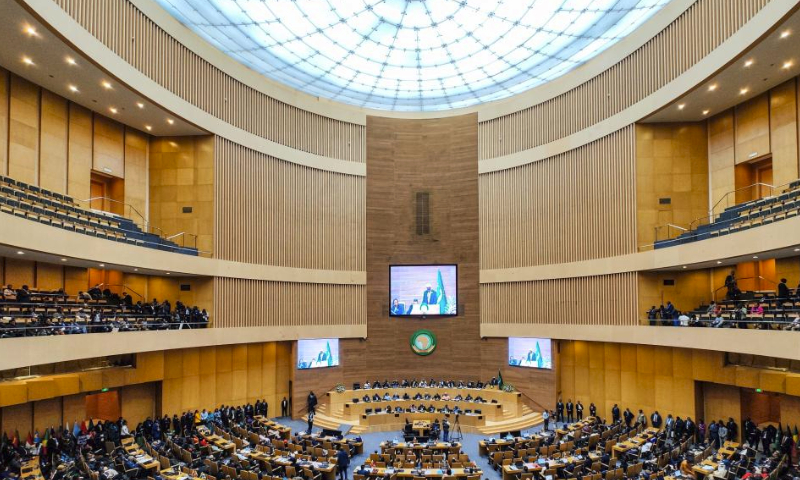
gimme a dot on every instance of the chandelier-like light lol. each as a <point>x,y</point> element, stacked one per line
<point>412,55</point>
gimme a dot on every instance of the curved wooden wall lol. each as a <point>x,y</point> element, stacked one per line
<point>703,27</point>
<point>575,206</point>
<point>134,37</point>
<point>273,212</point>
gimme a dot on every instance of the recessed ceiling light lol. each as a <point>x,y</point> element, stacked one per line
<point>71,61</point>
<point>113,110</point>
<point>681,106</point>
<point>744,91</point>
<point>684,266</point>
<point>140,104</point>
<point>73,89</point>
<point>63,259</point>
<point>102,265</point>
<point>718,262</point>
<point>20,252</point>
<point>755,256</point>
<point>27,60</point>
<point>705,112</point>
<point>168,273</point>
<point>148,127</point>
<point>170,121</point>
<point>748,63</point>
<point>712,87</point>
<point>787,64</point>
<point>31,31</point>
<point>106,85</point>
<point>797,249</point>
<point>786,33</point>
<point>135,269</point>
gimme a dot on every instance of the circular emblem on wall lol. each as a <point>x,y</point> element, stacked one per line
<point>423,342</point>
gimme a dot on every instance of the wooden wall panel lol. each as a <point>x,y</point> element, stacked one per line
<point>604,300</point>
<point>18,418</point>
<point>273,212</point>
<point>689,290</point>
<point>137,402</point>
<point>136,150</point>
<point>254,303</point>
<point>575,206</point>
<point>5,89</point>
<point>23,131</point>
<point>108,156</point>
<point>19,272</point>
<point>53,157</point>
<point>182,175</point>
<point>48,413</point>
<point>783,132</point>
<point>698,31</point>
<point>721,155</point>
<point>178,69</point>
<point>752,128</point>
<point>79,169</point>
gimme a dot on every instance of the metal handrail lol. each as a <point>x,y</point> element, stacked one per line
<point>725,196</point>
<point>124,287</point>
<point>144,221</point>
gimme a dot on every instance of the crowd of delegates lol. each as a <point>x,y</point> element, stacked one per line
<point>25,312</point>
<point>423,383</point>
<point>72,453</point>
<point>670,453</point>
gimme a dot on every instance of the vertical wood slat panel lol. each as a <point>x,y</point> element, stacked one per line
<point>121,27</point>
<point>284,303</point>
<point>692,36</point>
<point>599,300</point>
<point>575,206</point>
<point>273,212</point>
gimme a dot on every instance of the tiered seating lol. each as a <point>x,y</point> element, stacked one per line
<point>744,216</point>
<point>778,313</point>
<point>41,205</point>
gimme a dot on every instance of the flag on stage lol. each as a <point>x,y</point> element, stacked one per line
<point>440,294</point>
<point>499,379</point>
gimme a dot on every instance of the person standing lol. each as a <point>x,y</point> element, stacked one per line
<point>284,407</point>
<point>559,411</point>
<point>615,413</point>
<point>546,418</point>
<point>445,430</point>
<point>570,411</point>
<point>592,410</point>
<point>579,411</point>
<point>310,421</point>
<point>311,402</point>
<point>342,463</point>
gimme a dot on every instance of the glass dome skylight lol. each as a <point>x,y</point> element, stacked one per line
<point>412,55</point>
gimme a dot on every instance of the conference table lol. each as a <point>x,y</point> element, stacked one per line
<point>492,411</point>
<point>326,469</point>
<point>449,447</point>
<point>635,442</point>
<point>174,473</point>
<point>424,472</point>
<point>358,447</point>
<point>30,469</point>
<point>510,472</point>
<point>216,440</point>
<point>139,456</point>
<point>281,430</point>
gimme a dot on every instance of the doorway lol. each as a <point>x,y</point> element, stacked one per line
<point>103,406</point>
<point>761,407</point>
<point>107,193</point>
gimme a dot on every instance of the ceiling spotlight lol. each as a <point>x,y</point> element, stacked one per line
<point>684,266</point>
<point>744,91</point>
<point>27,61</point>
<point>681,106</point>
<point>755,257</point>
<point>719,262</point>
<point>786,33</point>
<point>135,269</point>
<point>63,259</point>
<point>705,112</point>
<point>113,110</point>
<point>148,127</point>
<point>102,265</point>
<point>20,252</point>
<point>168,273</point>
<point>71,61</point>
<point>170,121</point>
<point>73,89</point>
<point>748,63</point>
<point>106,85</point>
<point>787,64</point>
<point>31,31</point>
<point>140,104</point>
<point>712,87</point>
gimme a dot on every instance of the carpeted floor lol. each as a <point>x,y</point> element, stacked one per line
<point>372,441</point>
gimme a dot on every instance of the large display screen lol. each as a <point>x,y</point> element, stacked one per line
<point>423,290</point>
<point>317,353</point>
<point>530,352</point>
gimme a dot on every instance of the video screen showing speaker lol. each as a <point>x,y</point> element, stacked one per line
<point>317,353</point>
<point>530,352</point>
<point>423,290</point>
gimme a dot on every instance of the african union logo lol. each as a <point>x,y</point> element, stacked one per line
<point>423,342</point>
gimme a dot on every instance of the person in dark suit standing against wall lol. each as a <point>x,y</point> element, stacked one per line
<point>284,407</point>
<point>311,402</point>
<point>559,412</point>
<point>570,410</point>
<point>579,411</point>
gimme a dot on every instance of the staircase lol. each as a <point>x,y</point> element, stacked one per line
<point>333,419</point>
<point>511,422</point>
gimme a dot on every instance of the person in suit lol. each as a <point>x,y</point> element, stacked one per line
<point>592,410</point>
<point>570,410</point>
<point>579,411</point>
<point>655,419</point>
<point>342,462</point>
<point>397,307</point>
<point>311,402</point>
<point>284,407</point>
<point>429,296</point>
<point>615,413</point>
<point>783,289</point>
<point>531,357</point>
<point>559,412</point>
<point>310,422</point>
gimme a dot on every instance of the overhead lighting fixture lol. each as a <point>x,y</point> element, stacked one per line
<point>755,257</point>
<point>681,106</point>
<point>797,249</point>
<point>170,121</point>
<point>71,61</point>
<point>31,31</point>
<point>112,110</point>
<point>748,63</point>
<point>718,262</point>
<point>73,89</point>
<point>787,64</point>
<point>705,112</point>
<point>744,91</point>
<point>135,269</point>
<point>712,87</point>
<point>63,259</point>
<point>27,60</point>
<point>786,33</point>
<point>168,273</point>
<point>20,252</point>
<point>684,266</point>
<point>148,127</point>
<point>102,265</point>
<point>140,104</point>
<point>106,85</point>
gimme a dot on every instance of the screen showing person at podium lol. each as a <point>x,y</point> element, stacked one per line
<point>529,352</point>
<point>423,290</point>
<point>317,353</point>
